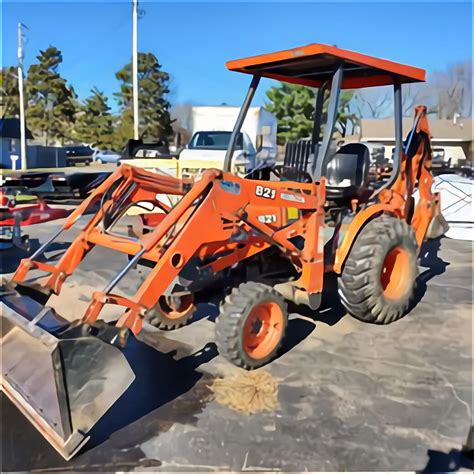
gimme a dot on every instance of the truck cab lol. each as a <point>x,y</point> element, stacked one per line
<point>210,146</point>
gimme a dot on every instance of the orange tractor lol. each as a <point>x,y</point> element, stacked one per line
<point>316,213</point>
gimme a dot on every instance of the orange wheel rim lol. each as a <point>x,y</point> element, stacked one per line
<point>263,330</point>
<point>183,306</point>
<point>394,273</point>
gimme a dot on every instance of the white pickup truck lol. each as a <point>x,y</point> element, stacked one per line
<point>212,128</point>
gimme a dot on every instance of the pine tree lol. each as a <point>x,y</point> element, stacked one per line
<point>51,102</point>
<point>293,106</point>
<point>155,121</point>
<point>9,99</point>
<point>95,123</point>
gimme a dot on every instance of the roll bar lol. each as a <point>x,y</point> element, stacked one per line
<point>320,154</point>
<point>239,122</point>
<point>318,112</point>
<point>320,158</point>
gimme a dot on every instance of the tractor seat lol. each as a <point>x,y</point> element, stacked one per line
<point>347,174</point>
<point>295,163</point>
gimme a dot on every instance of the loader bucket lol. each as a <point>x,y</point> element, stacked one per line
<point>62,384</point>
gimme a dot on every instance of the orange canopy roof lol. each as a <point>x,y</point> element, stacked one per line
<point>313,64</point>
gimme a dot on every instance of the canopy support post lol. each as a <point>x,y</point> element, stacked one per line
<point>239,122</point>
<point>320,160</point>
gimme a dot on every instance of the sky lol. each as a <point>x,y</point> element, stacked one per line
<point>193,40</point>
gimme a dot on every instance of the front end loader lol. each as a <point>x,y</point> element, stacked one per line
<point>278,229</point>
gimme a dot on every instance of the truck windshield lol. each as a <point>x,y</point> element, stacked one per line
<point>214,141</point>
<point>438,154</point>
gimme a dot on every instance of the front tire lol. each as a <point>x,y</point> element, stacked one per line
<point>171,312</point>
<point>379,276</point>
<point>251,325</point>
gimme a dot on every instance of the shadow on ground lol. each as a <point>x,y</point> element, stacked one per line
<point>10,258</point>
<point>447,462</point>
<point>160,378</point>
<point>435,266</point>
<point>330,312</point>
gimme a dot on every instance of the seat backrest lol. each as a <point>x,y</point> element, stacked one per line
<point>349,166</point>
<point>296,160</point>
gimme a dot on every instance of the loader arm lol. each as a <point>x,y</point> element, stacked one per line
<point>222,217</point>
<point>127,184</point>
<point>226,215</point>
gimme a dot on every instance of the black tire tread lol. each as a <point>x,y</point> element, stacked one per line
<point>360,289</point>
<point>157,319</point>
<point>233,312</point>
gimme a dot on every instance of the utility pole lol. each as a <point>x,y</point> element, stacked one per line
<point>135,70</point>
<point>22,100</point>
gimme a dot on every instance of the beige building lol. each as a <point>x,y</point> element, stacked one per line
<point>452,137</point>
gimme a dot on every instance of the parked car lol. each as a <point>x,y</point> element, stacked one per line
<point>107,156</point>
<point>79,154</point>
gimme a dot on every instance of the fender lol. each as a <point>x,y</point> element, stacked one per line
<point>359,221</point>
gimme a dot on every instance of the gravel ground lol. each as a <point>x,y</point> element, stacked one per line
<point>351,396</point>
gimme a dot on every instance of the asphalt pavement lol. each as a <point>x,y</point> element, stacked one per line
<point>351,396</point>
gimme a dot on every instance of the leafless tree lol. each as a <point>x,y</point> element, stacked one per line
<point>446,93</point>
<point>373,102</point>
<point>418,94</point>
<point>377,102</point>
<point>453,90</point>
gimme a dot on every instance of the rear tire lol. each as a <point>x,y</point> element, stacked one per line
<point>251,325</point>
<point>379,276</point>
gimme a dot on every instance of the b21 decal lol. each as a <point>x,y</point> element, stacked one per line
<point>265,192</point>
<point>267,218</point>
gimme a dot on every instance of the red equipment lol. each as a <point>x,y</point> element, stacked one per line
<point>13,217</point>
